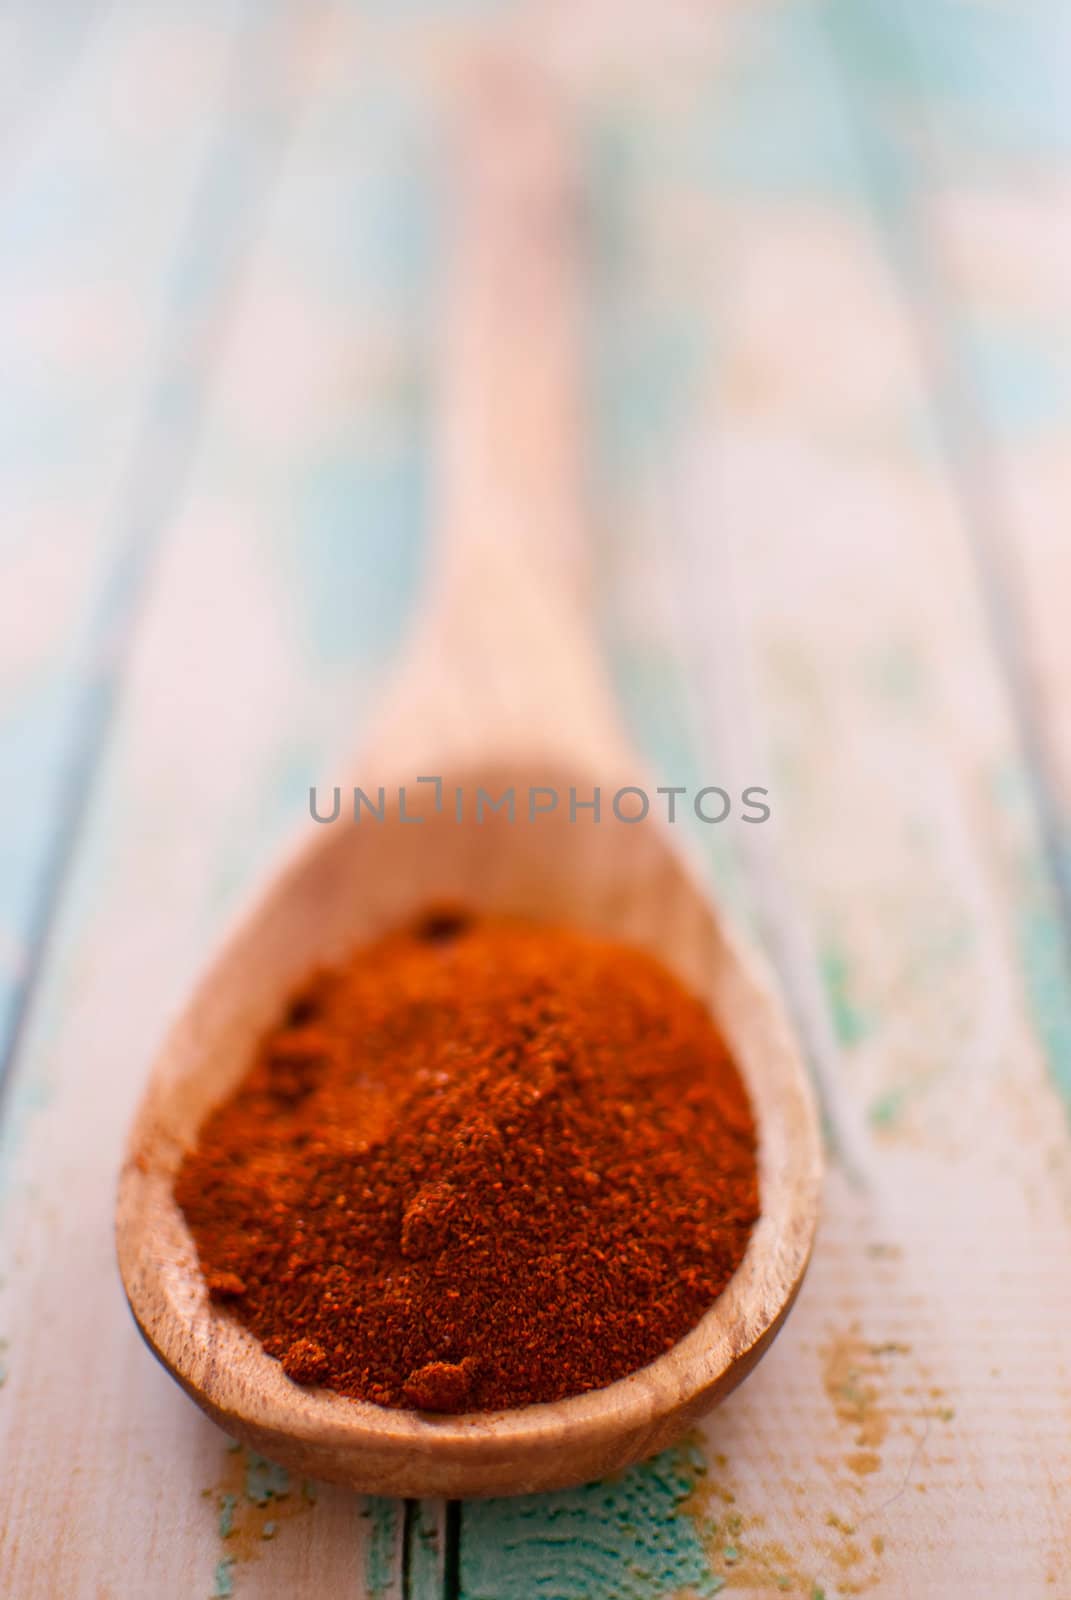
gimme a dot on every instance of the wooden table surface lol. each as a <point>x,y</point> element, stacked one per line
<point>830,387</point>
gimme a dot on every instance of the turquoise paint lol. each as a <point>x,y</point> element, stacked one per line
<point>275,810</point>
<point>1010,785</point>
<point>991,77</point>
<point>849,1019</point>
<point>648,383</point>
<point>630,1538</point>
<point>614,149</point>
<point>264,1480</point>
<point>365,231</point>
<point>352,534</point>
<point>26,1099</point>
<point>384,1519</point>
<point>886,1111</point>
<point>774,126</point>
<point>648,348</point>
<point>649,682</point>
<point>1022,374</point>
<point>425,1557</point>
<point>226,1515</point>
<point>37,733</point>
<point>1043,947</point>
<point>288,779</point>
<point>1042,939</point>
<point>355,546</point>
<point>223,1586</point>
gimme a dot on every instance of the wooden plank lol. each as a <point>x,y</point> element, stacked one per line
<point>114,252</point>
<point>912,1419</point>
<point>979,194</point>
<point>278,590</point>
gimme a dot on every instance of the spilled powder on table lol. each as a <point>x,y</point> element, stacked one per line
<point>741,1554</point>
<point>851,1373</point>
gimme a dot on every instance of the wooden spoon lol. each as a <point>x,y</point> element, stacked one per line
<point>502,691</point>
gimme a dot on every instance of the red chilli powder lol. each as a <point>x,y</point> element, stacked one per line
<point>482,1163</point>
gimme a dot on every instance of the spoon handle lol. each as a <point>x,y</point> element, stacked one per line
<point>510,414</point>
<point>505,663</point>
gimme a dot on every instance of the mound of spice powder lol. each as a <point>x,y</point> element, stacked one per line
<point>483,1163</point>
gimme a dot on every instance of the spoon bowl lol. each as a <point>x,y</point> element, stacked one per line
<point>624,880</point>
